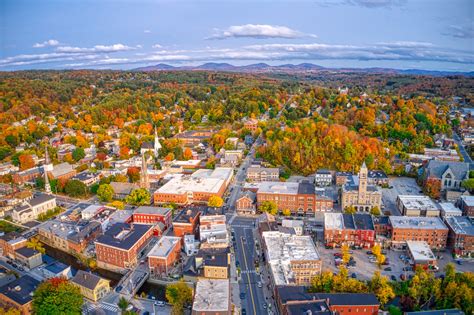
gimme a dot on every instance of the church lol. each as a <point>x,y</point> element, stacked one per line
<point>358,194</point>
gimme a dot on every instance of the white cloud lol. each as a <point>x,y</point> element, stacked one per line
<point>157,46</point>
<point>95,49</point>
<point>258,31</point>
<point>147,31</point>
<point>49,42</point>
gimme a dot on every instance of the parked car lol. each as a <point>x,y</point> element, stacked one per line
<point>353,275</point>
<point>369,252</point>
<point>337,254</point>
<point>242,295</point>
<point>259,284</point>
<point>459,262</point>
<point>407,269</point>
<point>244,311</point>
<point>393,278</point>
<point>403,277</point>
<point>160,303</point>
<point>388,269</point>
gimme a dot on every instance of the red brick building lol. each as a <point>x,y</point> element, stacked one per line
<point>246,203</point>
<point>461,235</point>
<point>429,229</point>
<point>153,215</point>
<point>351,229</point>
<point>289,297</point>
<point>251,124</point>
<point>10,242</point>
<point>299,198</point>
<point>119,247</point>
<point>187,222</point>
<point>164,255</point>
<point>466,204</point>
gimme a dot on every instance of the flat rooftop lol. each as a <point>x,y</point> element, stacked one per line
<point>164,246</point>
<point>283,248</point>
<point>123,235</point>
<point>357,221</point>
<point>212,295</point>
<point>420,251</point>
<point>288,188</point>
<point>152,210</point>
<point>448,207</point>
<point>187,214</point>
<point>418,202</point>
<point>461,225</point>
<point>431,223</point>
<point>468,200</point>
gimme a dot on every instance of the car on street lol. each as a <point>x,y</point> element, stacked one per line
<point>388,269</point>
<point>403,277</point>
<point>244,311</point>
<point>393,278</point>
<point>265,305</point>
<point>407,269</point>
<point>160,303</point>
<point>242,295</point>
<point>369,252</point>
<point>259,284</point>
<point>459,262</point>
<point>337,254</point>
<point>237,264</point>
<point>353,275</point>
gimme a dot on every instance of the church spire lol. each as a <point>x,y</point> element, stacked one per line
<point>144,181</point>
<point>46,168</point>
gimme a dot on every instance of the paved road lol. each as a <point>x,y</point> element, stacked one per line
<point>245,255</point>
<point>462,149</point>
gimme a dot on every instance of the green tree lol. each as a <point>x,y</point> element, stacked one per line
<point>105,193</point>
<point>468,184</point>
<point>138,197</point>
<point>179,295</point>
<point>78,154</point>
<point>381,287</point>
<point>57,296</point>
<point>123,304</point>
<point>268,206</point>
<point>215,202</point>
<point>350,210</point>
<point>75,188</point>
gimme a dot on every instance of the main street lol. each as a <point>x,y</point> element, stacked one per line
<point>252,297</point>
<point>462,150</point>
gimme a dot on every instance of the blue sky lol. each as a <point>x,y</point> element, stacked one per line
<point>418,34</point>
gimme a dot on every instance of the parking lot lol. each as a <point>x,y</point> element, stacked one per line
<point>364,269</point>
<point>399,186</point>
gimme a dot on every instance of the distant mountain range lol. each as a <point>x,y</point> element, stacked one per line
<point>289,68</point>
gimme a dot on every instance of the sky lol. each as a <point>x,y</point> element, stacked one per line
<point>121,34</point>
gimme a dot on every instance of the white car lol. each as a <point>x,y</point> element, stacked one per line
<point>259,284</point>
<point>160,303</point>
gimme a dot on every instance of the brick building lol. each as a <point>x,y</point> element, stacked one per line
<point>164,255</point>
<point>299,198</point>
<point>263,174</point>
<point>187,222</point>
<point>246,203</point>
<point>19,294</point>
<point>429,229</point>
<point>69,237</point>
<point>152,215</point>
<point>461,235</point>
<point>10,242</point>
<point>119,247</point>
<point>195,188</point>
<point>251,124</point>
<point>287,297</point>
<point>466,203</point>
<point>351,229</point>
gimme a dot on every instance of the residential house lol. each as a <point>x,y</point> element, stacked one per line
<point>91,286</point>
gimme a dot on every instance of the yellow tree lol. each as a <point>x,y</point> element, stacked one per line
<point>35,244</point>
<point>346,256</point>
<point>381,287</point>
<point>215,202</point>
<point>286,212</point>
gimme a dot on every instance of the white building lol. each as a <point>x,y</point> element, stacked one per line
<point>212,296</point>
<point>417,206</point>
<point>213,229</point>
<point>449,210</point>
<point>297,225</point>
<point>293,259</point>
<point>191,245</point>
<point>31,209</point>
